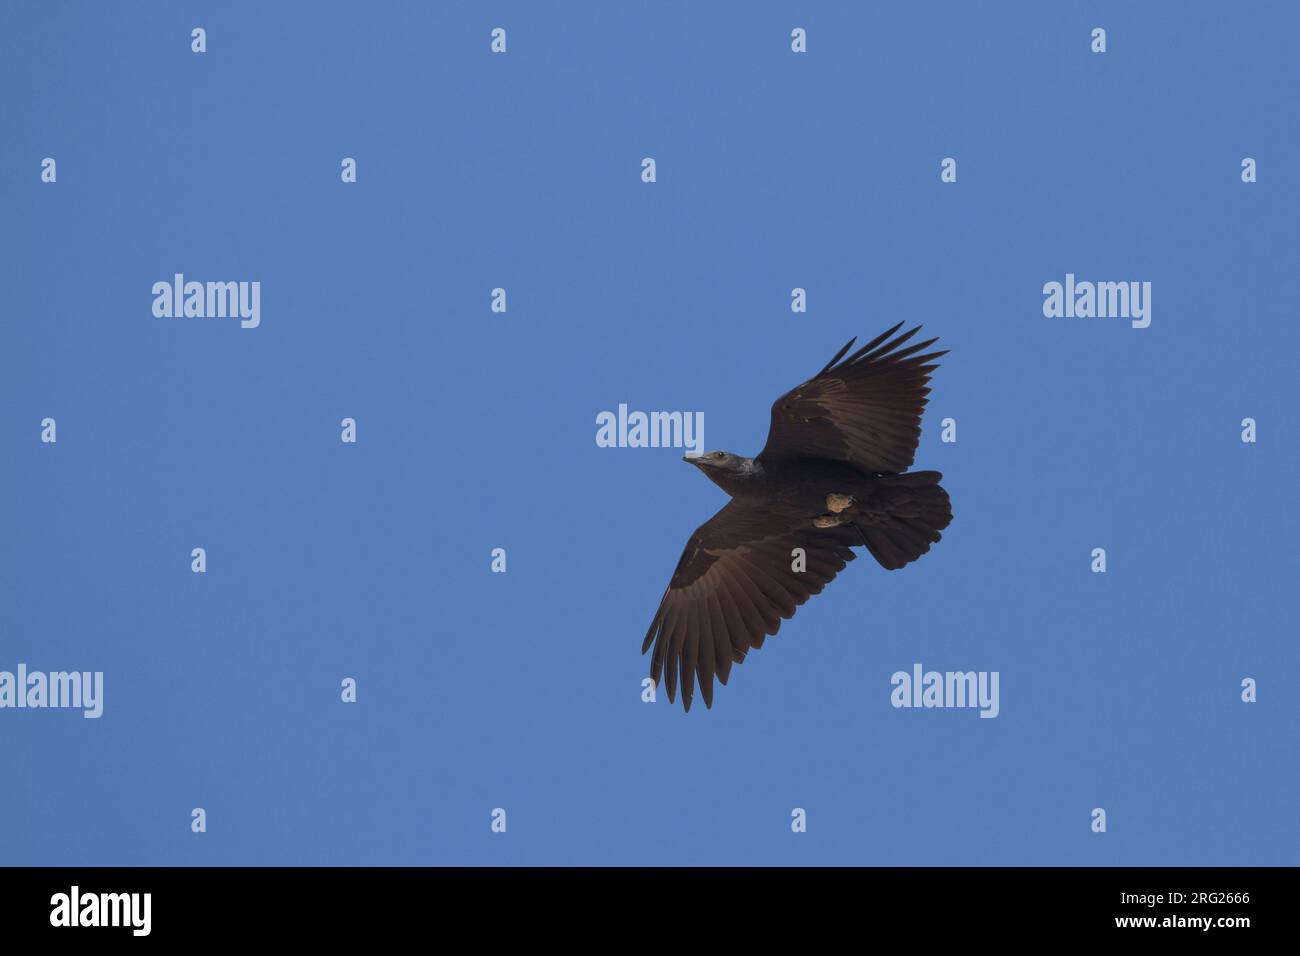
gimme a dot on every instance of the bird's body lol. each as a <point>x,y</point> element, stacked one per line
<point>796,486</point>
<point>831,477</point>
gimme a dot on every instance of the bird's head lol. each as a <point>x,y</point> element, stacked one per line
<point>722,467</point>
<point>713,459</point>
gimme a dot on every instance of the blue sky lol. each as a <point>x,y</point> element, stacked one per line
<point>476,429</point>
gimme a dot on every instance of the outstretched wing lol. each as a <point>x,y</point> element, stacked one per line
<point>865,411</point>
<point>733,585</point>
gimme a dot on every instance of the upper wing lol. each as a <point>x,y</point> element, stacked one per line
<point>733,585</point>
<point>865,411</point>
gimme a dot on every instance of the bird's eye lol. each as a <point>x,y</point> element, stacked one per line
<point>717,454</point>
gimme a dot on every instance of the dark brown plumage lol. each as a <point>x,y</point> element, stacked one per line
<point>829,479</point>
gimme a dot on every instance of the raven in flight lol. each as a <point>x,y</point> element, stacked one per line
<point>830,478</point>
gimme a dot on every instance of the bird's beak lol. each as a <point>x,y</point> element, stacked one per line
<point>692,459</point>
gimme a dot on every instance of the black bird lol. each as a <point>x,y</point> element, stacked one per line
<point>829,479</point>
